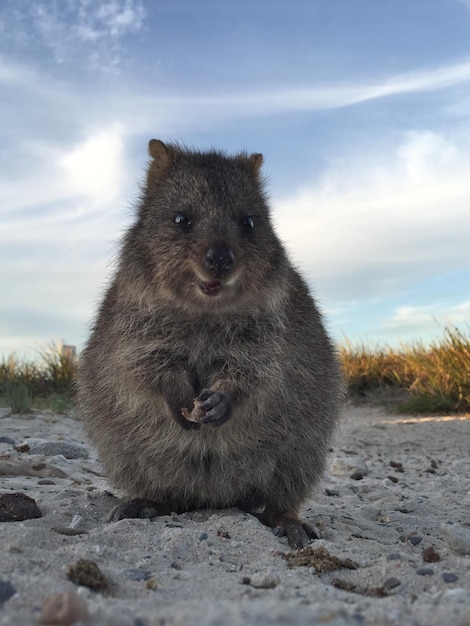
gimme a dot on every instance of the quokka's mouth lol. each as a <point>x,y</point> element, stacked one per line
<point>211,288</point>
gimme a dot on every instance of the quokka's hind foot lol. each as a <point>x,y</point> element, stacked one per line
<point>289,525</point>
<point>138,508</point>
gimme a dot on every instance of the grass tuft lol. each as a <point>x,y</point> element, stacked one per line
<point>415,378</point>
<point>45,383</point>
<point>434,378</point>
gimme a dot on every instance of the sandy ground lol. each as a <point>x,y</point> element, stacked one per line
<point>394,504</point>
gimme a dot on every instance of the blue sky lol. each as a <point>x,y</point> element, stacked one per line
<point>361,109</point>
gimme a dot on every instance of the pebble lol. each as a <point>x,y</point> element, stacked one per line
<point>457,537</point>
<point>391,583</point>
<point>393,556</point>
<point>448,577</point>
<point>357,475</point>
<point>332,492</point>
<point>137,574</point>
<point>65,609</point>
<point>17,507</point>
<point>8,440</point>
<point>67,448</point>
<point>425,571</point>
<point>7,591</point>
<point>415,539</point>
<point>264,580</point>
<point>341,466</point>
<point>430,555</point>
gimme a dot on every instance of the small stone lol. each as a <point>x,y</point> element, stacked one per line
<point>332,492</point>
<point>138,574</point>
<point>393,479</point>
<point>46,481</point>
<point>457,537</point>
<point>345,467</point>
<point>8,440</point>
<point>76,521</point>
<point>415,539</point>
<point>69,449</point>
<point>393,556</point>
<point>425,571</point>
<point>17,507</point>
<point>448,577</point>
<point>264,580</point>
<point>7,591</point>
<point>406,508</point>
<point>430,555</point>
<point>357,475</point>
<point>391,583</point>
<point>64,609</point>
<point>398,467</point>
<point>87,573</point>
<point>203,536</point>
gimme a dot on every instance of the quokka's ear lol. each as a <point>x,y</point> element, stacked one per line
<point>256,162</point>
<point>162,156</point>
<point>252,163</point>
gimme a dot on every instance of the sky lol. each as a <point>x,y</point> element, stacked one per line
<point>360,108</point>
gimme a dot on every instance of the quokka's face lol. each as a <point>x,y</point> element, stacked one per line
<point>208,235</point>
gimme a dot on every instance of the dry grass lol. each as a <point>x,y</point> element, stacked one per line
<point>434,378</point>
<point>419,378</point>
<point>45,383</point>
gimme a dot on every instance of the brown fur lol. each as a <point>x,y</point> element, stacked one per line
<point>214,310</point>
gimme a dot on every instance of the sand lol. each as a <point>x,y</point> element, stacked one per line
<point>394,505</point>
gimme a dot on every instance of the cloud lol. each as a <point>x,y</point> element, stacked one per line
<point>94,168</point>
<point>71,29</point>
<point>291,98</point>
<point>65,186</point>
<point>432,317</point>
<point>373,228</point>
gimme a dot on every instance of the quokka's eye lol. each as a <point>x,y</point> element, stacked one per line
<point>182,219</point>
<point>248,222</point>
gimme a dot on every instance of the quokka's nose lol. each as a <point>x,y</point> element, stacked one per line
<point>220,260</point>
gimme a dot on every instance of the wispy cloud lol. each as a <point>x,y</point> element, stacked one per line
<point>372,228</point>
<point>71,29</point>
<point>313,98</point>
<point>434,317</point>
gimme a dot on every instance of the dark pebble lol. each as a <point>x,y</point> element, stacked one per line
<point>391,583</point>
<point>415,539</point>
<point>176,565</point>
<point>7,440</point>
<point>425,571</point>
<point>7,591</point>
<point>405,509</point>
<point>46,481</point>
<point>87,573</point>
<point>357,475</point>
<point>398,467</point>
<point>174,525</point>
<point>394,479</point>
<point>332,492</point>
<point>137,574</point>
<point>430,555</point>
<point>447,577</point>
<point>393,556</point>
<point>203,536</point>
<point>17,507</point>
